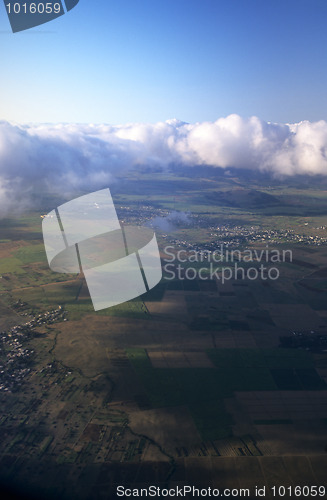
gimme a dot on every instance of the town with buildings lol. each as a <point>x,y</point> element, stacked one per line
<point>226,234</point>
<point>14,357</point>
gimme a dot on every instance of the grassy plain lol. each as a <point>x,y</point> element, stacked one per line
<point>186,383</point>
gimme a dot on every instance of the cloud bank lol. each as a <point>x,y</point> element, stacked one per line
<point>67,157</point>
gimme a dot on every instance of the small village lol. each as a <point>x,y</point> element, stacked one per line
<point>226,234</point>
<point>14,357</point>
<point>235,237</point>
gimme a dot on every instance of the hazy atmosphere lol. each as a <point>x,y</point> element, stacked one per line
<point>62,158</point>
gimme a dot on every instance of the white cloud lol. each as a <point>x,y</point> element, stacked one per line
<point>65,158</point>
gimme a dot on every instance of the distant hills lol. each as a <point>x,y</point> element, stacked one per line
<point>243,198</point>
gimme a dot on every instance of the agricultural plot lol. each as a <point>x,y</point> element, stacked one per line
<point>172,305</point>
<point>11,265</point>
<point>49,295</point>
<point>133,309</point>
<point>31,254</point>
<point>179,359</point>
<point>294,316</point>
<point>237,370</point>
<point>266,408</point>
<point>186,382</point>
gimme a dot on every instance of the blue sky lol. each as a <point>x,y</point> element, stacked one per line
<point>148,61</point>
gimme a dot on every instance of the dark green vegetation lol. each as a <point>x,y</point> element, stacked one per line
<point>203,390</point>
<point>187,383</point>
<point>235,195</point>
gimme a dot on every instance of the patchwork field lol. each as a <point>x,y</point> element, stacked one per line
<point>188,383</point>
